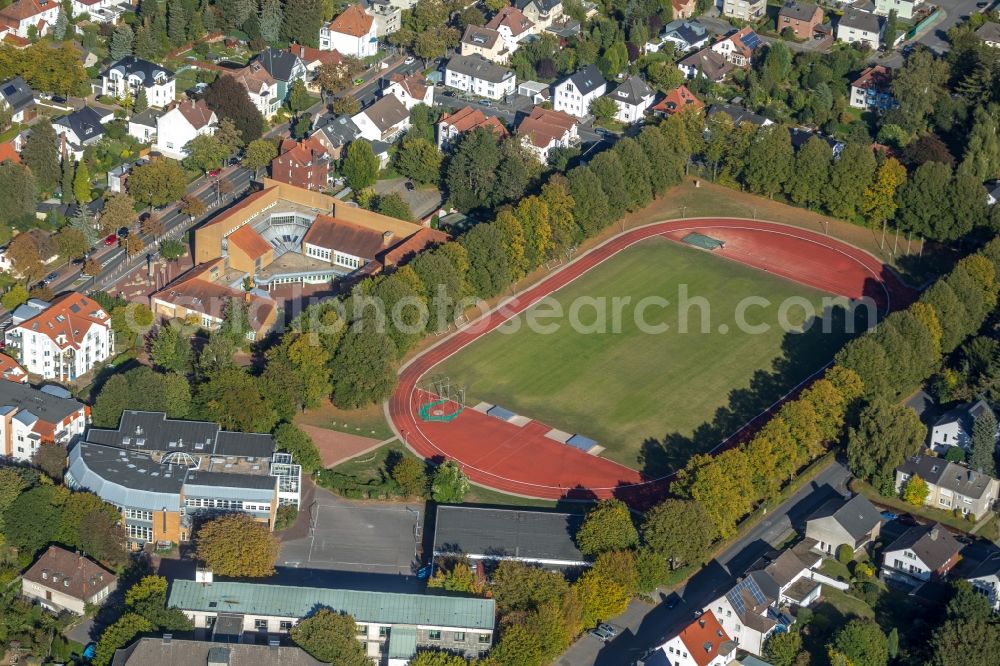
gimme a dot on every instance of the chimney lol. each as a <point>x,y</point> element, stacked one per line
<point>701,622</point>
<point>934,533</point>
<point>386,238</point>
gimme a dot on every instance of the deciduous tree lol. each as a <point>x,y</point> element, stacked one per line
<point>680,531</point>
<point>158,183</point>
<point>915,491</point>
<point>293,440</point>
<point>450,484</point>
<point>887,433</point>
<point>330,637</point>
<point>237,545</point>
<point>40,154</point>
<point>360,166</point>
<point>608,526</point>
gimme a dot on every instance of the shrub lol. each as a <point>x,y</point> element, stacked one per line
<point>844,553</point>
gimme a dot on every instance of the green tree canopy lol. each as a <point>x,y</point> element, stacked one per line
<point>608,526</point>
<point>237,545</point>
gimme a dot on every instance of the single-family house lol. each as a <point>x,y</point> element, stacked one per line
<point>260,86</point>
<point>410,90</point>
<point>64,339</point>
<point>545,130</point>
<point>352,33</point>
<point>80,129</point>
<point>985,578</point>
<point>954,428</point>
<point>792,572</point>
<point>33,418</point>
<point>512,25</point>
<point>118,176</point>
<point>951,486</point>
<point>303,163</point>
<point>18,100</point>
<point>702,642</point>
<point>857,26</point>
<point>130,74</point>
<point>854,522</point>
<point>905,9</point>
<point>176,128</point>
<point>388,17</point>
<point>872,90</point>
<point>684,8</point>
<point>313,58</point>
<point>801,135</point>
<point>97,9</point>
<point>19,17</point>
<point>738,47</point>
<point>922,553</point>
<point>575,93</point>
<point>479,76</point>
<point>707,64</point>
<point>384,120</point>
<point>61,580</point>
<point>335,133</point>
<point>632,98</point>
<point>451,126</point>
<point>685,35</point>
<point>542,13</point>
<point>744,10</point>
<point>284,67</point>
<point>748,611</point>
<point>677,100</point>
<point>801,18</point>
<point>989,34</point>
<point>142,125</point>
<point>992,192</point>
<point>485,42</point>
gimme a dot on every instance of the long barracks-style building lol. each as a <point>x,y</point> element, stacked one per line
<point>161,472</point>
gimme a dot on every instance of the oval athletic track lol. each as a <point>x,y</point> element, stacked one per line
<point>520,459</point>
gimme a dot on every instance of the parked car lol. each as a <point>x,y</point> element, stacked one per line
<point>605,632</point>
<point>111,240</point>
<point>214,173</point>
<point>409,60</point>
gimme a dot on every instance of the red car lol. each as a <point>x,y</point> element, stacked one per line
<point>214,173</point>
<point>111,240</point>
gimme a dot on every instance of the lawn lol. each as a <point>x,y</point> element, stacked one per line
<point>367,421</point>
<point>651,399</point>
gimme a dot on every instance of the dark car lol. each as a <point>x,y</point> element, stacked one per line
<point>58,99</point>
<point>123,232</point>
<point>982,5</point>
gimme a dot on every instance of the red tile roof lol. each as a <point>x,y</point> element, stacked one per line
<point>9,153</point>
<point>310,55</point>
<point>254,77</point>
<point>250,242</point>
<point>679,99</point>
<point>544,126</point>
<point>25,9</point>
<point>513,18</point>
<point>70,573</point>
<point>196,112</point>
<point>70,316</point>
<point>304,151</point>
<point>414,85</point>
<point>877,77</point>
<point>354,21</point>
<point>334,234</point>
<point>468,118</point>
<point>11,370</point>
<point>414,245</point>
<point>703,638</point>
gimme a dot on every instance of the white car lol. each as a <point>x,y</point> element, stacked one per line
<point>409,60</point>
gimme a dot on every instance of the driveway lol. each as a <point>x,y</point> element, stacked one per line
<point>336,534</point>
<point>953,12</point>
<point>644,625</point>
<point>422,201</point>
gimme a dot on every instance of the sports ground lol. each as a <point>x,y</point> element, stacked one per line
<point>622,389</point>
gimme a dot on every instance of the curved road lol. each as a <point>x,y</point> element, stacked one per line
<point>517,460</point>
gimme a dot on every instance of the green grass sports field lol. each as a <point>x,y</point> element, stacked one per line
<point>623,388</point>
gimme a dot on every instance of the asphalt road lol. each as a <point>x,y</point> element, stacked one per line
<point>113,260</point>
<point>643,626</point>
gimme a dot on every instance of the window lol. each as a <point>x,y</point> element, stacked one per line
<point>285,625</point>
<point>361,629</point>
<point>484,638</point>
<point>434,635</point>
<point>382,632</point>
<point>260,625</point>
<point>459,636</point>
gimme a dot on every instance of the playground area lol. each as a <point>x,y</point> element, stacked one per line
<point>526,413</point>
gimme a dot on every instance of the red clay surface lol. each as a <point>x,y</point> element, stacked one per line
<point>521,460</point>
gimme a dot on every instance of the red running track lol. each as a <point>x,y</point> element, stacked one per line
<point>521,459</point>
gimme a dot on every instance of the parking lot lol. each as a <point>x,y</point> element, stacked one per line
<point>354,536</point>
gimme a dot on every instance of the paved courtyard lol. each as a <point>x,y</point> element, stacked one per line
<point>346,535</point>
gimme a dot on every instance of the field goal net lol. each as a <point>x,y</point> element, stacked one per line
<point>704,242</point>
<point>441,401</point>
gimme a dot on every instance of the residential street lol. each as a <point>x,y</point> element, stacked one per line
<point>642,626</point>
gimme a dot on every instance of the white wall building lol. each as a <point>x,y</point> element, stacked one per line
<point>19,17</point>
<point>384,120</point>
<point>130,74</point>
<point>575,93</point>
<point>859,27</point>
<point>178,126</point>
<point>632,98</point>
<point>31,418</point>
<point>703,642</point>
<point>479,76</point>
<point>352,33</point>
<point>411,90</point>
<point>63,341</point>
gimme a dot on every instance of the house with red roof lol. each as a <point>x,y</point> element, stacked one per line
<point>512,25</point>
<point>353,33</point>
<point>411,90</point>
<point>545,130</point>
<point>677,100</point>
<point>684,8</point>
<point>61,340</point>
<point>19,17</point>
<point>178,126</point>
<point>261,87</point>
<point>303,163</point>
<point>315,58</point>
<point>738,47</point>
<point>11,370</point>
<point>466,119</point>
<point>703,642</point>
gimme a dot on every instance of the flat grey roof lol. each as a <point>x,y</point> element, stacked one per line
<point>508,533</point>
<point>43,404</point>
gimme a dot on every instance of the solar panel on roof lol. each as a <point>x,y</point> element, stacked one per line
<point>752,41</point>
<point>735,595</point>
<point>9,90</point>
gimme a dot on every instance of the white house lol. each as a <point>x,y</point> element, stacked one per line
<point>18,99</point>
<point>749,611</point>
<point>384,120</point>
<point>352,33</point>
<point>738,47</point>
<point>575,93</point>
<point>61,580</point>
<point>905,9</point>
<point>744,10</point>
<point>703,642</point>
<point>31,418</point>
<point>859,27</point>
<point>80,129</point>
<point>142,125</point>
<point>543,131</point>
<point>96,8</point>
<point>986,578</point>
<point>512,25</point>
<point>479,76</point>
<point>261,87</point>
<point>65,340</point>
<point>19,17</point>
<point>130,74</point>
<point>410,90</point>
<point>854,522</point>
<point>466,119</point>
<point>989,33</point>
<point>920,554</point>
<point>542,13</point>
<point>954,428</point>
<point>178,126</point>
<point>872,90</point>
<point>632,98</point>
<point>388,17</point>
<point>685,35</point>
<point>485,42</point>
